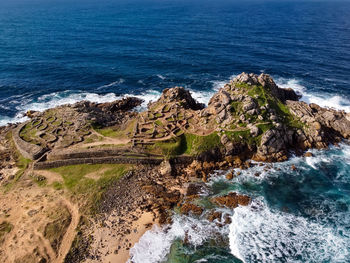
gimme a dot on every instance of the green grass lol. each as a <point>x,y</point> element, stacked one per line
<point>55,230</point>
<point>264,127</point>
<point>40,180</point>
<point>107,132</point>
<point>243,137</point>
<point>198,144</point>
<point>264,97</point>
<point>91,190</point>
<point>28,132</point>
<point>172,147</point>
<point>5,227</point>
<point>21,162</point>
<point>114,132</point>
<point>189,144</point>
<point>236,106</point>
<point>159,123</point>
<point>57,185</point>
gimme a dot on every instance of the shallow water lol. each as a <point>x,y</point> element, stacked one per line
<point>295,216</point>
<point>63,51</point>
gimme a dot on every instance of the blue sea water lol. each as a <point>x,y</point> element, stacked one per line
<point>62,51</point>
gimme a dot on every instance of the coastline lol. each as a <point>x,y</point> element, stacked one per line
<point>127,170</point>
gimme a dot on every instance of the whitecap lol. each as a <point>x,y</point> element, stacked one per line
<point>204,96</point>
<point>55,99</point>
<point>161,77</point>
<point>114,83</point>
<point>259,233</point>
<point>322,99</point>
<point>155,244</point>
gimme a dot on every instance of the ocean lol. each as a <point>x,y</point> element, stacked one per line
<point>64,51</point>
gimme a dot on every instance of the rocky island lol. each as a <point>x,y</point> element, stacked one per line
<point>83,182</point>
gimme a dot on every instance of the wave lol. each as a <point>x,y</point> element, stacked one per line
<point>118,82</point>
<point>161,77</point>
<point>258,233</point>
<point>155,244</point>
<point>55,99</point>
<point>69,97</point>
<point>322,99</point>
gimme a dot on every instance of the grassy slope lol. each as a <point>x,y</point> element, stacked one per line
<point>21,162</point>
<point>85,188</point>
<point>264,97</point>
<point>189,144</point>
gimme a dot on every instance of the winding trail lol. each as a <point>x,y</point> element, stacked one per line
<point>70,233</point>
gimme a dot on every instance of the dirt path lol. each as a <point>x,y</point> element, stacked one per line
<point>70,233</point>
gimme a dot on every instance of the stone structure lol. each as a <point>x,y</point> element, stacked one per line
<point>28,150</point>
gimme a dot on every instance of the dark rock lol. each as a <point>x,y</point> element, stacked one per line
<point>232,200</point>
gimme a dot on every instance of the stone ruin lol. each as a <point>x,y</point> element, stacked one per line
<point>164,122</point>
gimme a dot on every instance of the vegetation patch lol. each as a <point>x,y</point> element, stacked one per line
<point>264,97</point>
<point>187,143</point>
<point>5,228</point>
<point>243,136</point>
<point>21,162</point>
<point>115,132</point>
<point>85,188</point>
<point>40,180</point>
<point>55,230</point>
<point>81,243</point>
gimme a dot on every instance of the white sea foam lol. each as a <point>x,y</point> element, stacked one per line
<point>4,120</point>
<point>161,77</point>
<point>205,96</point>
<point>260,234</point>
<point>114,83</point>
<point>155,244</point>
<point>202,96</point>
<point>70,97</point>
<point>322,99</point>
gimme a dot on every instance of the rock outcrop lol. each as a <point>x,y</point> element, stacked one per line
<point>181,96</point>
<point>250,117</point>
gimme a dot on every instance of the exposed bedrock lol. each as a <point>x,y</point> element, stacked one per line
<point>250,116</point>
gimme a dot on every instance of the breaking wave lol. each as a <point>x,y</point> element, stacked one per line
<point>261,234</point>
<point>69,97</point>
<point>275,227</point>
<point>155,244</point>
<point>322,99</point>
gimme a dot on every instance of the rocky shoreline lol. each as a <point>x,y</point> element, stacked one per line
<point>168,151</point>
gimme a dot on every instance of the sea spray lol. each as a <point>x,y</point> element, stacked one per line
<point>321,98</point>
<point>261,234</point>
<point>289,219</point>
<point>154,245</point>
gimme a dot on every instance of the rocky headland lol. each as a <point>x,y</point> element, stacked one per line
<point>82,182</point>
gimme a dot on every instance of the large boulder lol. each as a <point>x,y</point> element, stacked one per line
<point>182,96</point>
<point>321,124</point>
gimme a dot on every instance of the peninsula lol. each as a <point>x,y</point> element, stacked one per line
<point>83,182</point>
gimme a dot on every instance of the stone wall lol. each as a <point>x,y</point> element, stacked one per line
<point>93,153</point>
<point>28,150</point>
<point>100,160</point>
